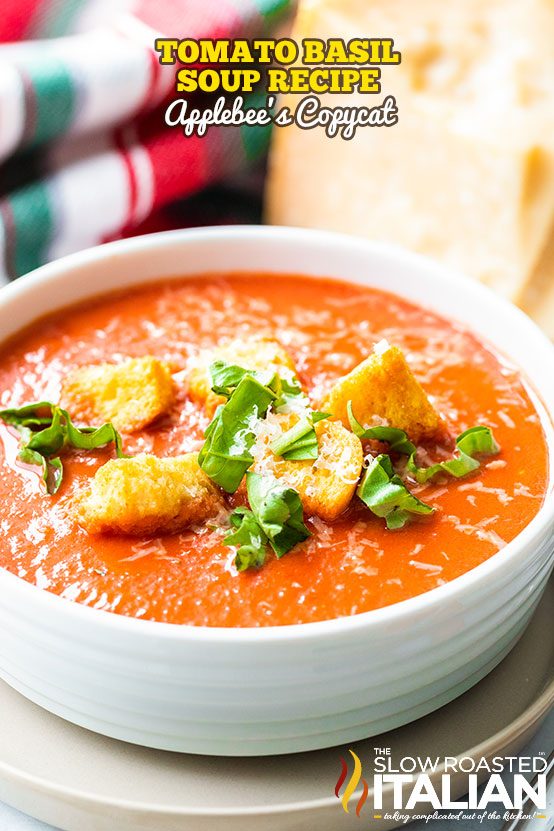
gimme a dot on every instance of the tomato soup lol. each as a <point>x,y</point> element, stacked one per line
<point>351,565</point>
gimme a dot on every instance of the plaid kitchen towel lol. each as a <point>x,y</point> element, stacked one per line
<point>85,155</point>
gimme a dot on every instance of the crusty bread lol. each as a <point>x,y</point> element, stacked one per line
<point>467,174</point>
<point>537,296</point>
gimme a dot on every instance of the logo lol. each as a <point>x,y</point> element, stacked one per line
<point>353,783</point>
<point>514,785</point>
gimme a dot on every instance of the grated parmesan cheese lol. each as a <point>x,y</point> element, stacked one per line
<point>430,567</point>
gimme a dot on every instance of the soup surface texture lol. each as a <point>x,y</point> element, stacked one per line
<point>352,565</point>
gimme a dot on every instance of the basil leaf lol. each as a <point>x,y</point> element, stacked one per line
<point>386,495</point>
<point>90,438</point>
<point>288,391</point>
<point>300,442</point>
<point>31,457</point>
<point>476,440</point>
<point>250,539</point>
<point>276,517</point>
<point>225,456</point>
<point>278,510</point>
<point>226,377</point>
<point>41,447</point>
<point>50,440</point>
<point>397,439</point>
<point>54,475</point>
<point>28,415</point>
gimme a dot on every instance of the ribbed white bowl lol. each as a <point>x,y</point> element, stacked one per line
<point>291,688</point>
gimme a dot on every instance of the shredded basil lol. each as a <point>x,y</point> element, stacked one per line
<point>300,442</point>
<point>386,495</point>
<point>278,509</point>
<point>226,377</point>
<point>276,517</point>
<point>225,456</point>
<point>397,439</point>
<point>249,538</point>
<point>475,441</point>
<point>46,429</point>
<point>289,391</point>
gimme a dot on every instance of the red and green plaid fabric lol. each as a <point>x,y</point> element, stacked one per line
<point>85,155</point>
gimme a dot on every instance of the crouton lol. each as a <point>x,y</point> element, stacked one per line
<point>256,353</point>
<point>147,495</point>
<point>130,394</point>
<point>384,386</point>
<point>326,484</point>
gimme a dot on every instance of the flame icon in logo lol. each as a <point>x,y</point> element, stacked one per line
<point>352,784</point>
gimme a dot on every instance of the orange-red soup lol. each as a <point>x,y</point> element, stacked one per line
<point>351,566</point>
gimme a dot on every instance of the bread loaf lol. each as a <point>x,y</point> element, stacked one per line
<point>467,175</point>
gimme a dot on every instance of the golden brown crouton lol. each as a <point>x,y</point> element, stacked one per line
<point>257,353</point>
<point>326,484</point>
<point>130,394</point>
<point>384,386</point>
<point>147,495</point>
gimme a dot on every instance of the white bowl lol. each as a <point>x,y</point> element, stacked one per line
<point>291,688</point>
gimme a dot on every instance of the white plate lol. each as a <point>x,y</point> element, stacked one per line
<point>81,781</point>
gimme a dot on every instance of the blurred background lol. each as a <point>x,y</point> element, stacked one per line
<point>85,156</point>
<point>467,176</point>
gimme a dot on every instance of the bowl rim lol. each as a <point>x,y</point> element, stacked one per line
<point>541,523</point>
